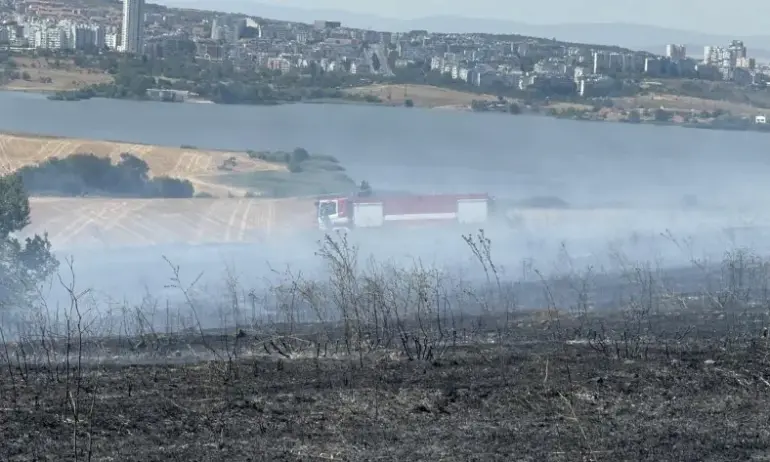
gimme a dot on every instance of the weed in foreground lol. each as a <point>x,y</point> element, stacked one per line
<point>379,362</point>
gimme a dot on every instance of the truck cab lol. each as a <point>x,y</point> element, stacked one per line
<point>332,213</point>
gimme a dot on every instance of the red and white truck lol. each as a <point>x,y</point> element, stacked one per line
<point>349,212</point>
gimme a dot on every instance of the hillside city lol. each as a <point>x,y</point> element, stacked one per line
<point>478,60</point>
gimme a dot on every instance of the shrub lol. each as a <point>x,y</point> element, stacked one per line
<point>299,155</point>
<point>294,167</point>
<point>87,174</point>
<point>174,188</point>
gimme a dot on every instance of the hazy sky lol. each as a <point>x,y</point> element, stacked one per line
<point>697,15</point>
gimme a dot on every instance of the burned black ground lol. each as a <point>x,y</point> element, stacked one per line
<point>692,384</point>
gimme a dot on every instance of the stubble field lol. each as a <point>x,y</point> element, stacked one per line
<point>200,166</point>
<point>83,222</point>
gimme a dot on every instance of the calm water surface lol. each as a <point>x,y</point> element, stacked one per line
<point>440,151</point>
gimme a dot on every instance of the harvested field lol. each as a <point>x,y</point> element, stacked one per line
<point>200,166</point>
<point>44,75</point>
<point>422,95</point>
<point>562,106</point>
<point>685,103</point>
<point>136,222</point>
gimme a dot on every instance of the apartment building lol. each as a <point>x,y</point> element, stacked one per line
<point>133,26</point>
<point>676,52</point>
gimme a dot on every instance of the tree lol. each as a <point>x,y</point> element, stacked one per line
<point>661,115</point>
<point>409,103</point>
<point>392,57</point>
<point>364,189</point>
<point>634,117</point>
<point>23,265</point>
<point>479,106</point>
<point>171,187</point>
<point>137,168</point>
<point>14,206</point>
<point>514,108</point>
<point>81,174</point>
<point>299,155</point>
<point>376,62</point>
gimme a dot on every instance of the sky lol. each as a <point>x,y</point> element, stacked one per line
<point>696,15</point>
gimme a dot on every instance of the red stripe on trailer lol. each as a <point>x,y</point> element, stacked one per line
<point>420,205</point>
<point>421,223</point>
<point>421,216</point>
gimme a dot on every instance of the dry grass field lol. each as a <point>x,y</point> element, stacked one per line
<point>44,76</point>
<point>117,222</point>
<point>422,95</point>
<point>561,106</point>
<point>685,103</point>
<point>75,222</point>
<point>435,97</point>
<point>200,166</point>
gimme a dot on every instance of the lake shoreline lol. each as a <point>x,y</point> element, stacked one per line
<point>443,108</point>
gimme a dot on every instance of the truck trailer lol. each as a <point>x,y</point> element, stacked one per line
<point>351,212</point>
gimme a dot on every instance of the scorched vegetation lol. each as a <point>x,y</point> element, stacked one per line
<point>378,362</point>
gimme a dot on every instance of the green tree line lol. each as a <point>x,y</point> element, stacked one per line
<point>87,174</point>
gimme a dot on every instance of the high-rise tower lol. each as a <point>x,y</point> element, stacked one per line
<point>133,26</point>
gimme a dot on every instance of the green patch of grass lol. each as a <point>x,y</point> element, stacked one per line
<point>286,184</point>
<point>320,165</point>
<point>280,157</point>
<point>309,174</point>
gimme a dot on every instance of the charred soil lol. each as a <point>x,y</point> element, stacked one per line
<point>544,388</point>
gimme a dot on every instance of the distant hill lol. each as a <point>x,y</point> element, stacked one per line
<point>634,36</point>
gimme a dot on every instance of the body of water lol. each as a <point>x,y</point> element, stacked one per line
<point>584,163</point>
<point>424,150</point>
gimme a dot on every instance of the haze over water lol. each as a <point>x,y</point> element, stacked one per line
<point>586,164</point>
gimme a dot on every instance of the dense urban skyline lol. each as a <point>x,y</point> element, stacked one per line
<point>332,46</point>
